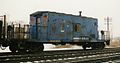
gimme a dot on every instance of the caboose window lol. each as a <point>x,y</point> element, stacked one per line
<point>38,21</point>
<point>77,27</point>
<point>62,27</point>
<point>32,20</point>
<point>53,28</point>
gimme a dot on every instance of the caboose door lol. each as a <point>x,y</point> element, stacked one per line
<point>42,28</point>
<point>76,32</point>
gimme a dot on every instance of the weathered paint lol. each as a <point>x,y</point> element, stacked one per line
<point>60,27</point>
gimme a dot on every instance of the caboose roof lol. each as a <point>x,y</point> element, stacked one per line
<point>39,13</point>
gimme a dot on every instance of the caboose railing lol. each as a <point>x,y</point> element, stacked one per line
<point>18,31</point>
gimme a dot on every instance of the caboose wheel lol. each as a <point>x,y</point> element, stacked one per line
<point>94,46</point>
<point>41,48</point>
<point>102,46</point>
<point>84,47</point>
<point>99,45</point>
<point>36,47</point>
<point>12,49</point>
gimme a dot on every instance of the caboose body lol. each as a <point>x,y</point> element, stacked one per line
<point>54,28</point>
<point>60,27</point>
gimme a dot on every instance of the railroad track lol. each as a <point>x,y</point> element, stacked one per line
<point>67,56</point>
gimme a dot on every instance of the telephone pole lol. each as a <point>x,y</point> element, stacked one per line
<point>108,28</point>
<point>4,26</point>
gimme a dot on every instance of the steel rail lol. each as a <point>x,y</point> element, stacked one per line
<point>62,56</point>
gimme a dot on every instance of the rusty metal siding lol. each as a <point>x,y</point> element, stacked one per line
<point>91,27</point>
<point>59,26</point>
<point>42,27</point>
<point>32,27</point>
<point>55,23</point>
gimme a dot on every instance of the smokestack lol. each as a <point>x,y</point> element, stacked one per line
<point>80,13</point>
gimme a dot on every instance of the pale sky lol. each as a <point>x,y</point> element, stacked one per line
<point>19,10</point>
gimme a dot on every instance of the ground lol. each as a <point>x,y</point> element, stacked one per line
<point>114,43</point>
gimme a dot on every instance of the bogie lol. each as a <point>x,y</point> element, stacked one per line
<point>22,47</point>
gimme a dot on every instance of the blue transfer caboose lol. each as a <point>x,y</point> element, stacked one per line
<point>60,28</point>
<point>53,28</point>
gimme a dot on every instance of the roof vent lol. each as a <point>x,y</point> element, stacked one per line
<point>80,13</point>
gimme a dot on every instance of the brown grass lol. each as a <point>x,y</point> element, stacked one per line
<point>115,43</point>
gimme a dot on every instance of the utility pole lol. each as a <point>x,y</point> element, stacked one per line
<point>108,29</point>
<point>4,32</point>
<point>5,27</point>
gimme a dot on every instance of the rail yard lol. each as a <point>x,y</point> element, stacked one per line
<point>64,56</point>
<point>26,42</point>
